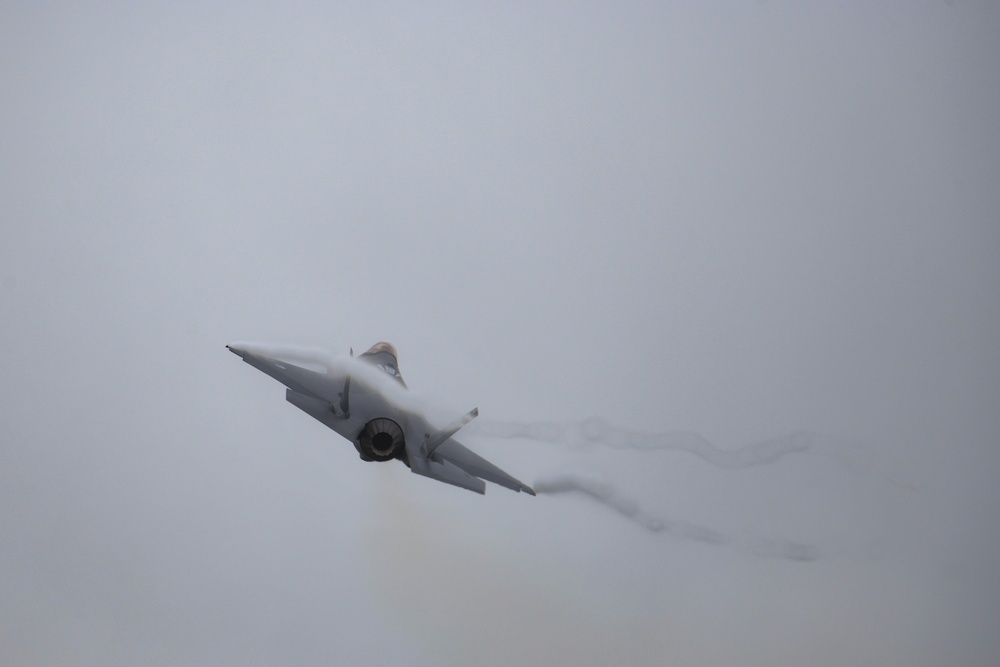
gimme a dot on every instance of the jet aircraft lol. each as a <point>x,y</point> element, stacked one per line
<point>365,400</point>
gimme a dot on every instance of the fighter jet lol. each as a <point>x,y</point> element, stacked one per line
<point>365,400</point>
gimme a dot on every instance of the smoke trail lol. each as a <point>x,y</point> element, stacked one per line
<point>598,432</point>
<point>602,491</point>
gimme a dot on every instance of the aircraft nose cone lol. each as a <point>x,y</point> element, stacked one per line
<point>235,350</point>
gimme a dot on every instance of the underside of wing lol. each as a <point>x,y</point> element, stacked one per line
<point>460,456</point>
<point>300,380</point>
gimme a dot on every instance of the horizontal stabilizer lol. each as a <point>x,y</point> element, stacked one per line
<point>443,471</point>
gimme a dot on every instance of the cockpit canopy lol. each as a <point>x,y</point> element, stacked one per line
<point>381,347</point>
<point>382,355</point>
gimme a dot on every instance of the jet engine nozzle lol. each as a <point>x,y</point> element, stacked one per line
<point>381,439</point>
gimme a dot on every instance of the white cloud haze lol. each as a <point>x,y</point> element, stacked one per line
<point>731,268</point>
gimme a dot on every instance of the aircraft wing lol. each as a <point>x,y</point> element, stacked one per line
<point>454,452</point>
<point>453,463</point>
<point>300,380</point>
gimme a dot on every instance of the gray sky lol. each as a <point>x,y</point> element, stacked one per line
<point>737,220</point>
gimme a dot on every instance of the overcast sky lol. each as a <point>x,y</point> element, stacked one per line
<point>727,226</point>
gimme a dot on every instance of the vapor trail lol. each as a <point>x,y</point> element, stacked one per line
<point>602,491</point>
<point>598,432</point>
